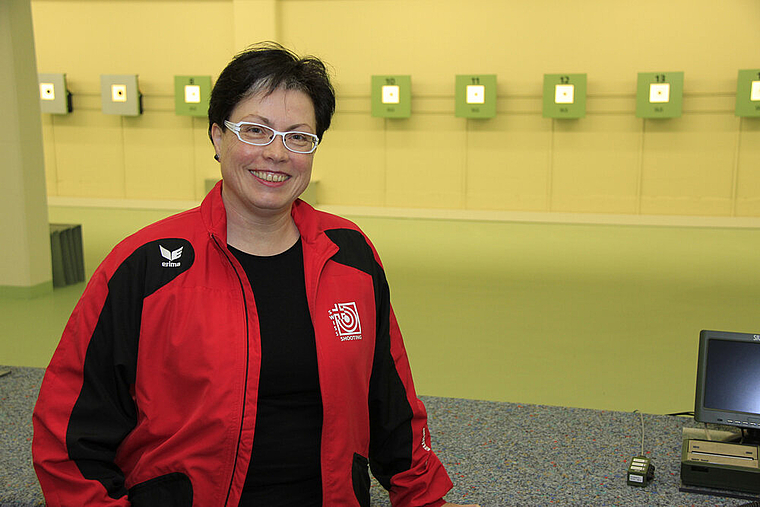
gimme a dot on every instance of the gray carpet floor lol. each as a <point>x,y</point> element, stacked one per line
<point>496,453</point>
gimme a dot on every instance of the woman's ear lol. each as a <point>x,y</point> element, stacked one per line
<point>216,137</point>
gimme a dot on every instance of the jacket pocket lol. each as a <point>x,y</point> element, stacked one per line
<point>170,490</point>
<point>360,478</point>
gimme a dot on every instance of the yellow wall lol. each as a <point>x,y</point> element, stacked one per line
<point>704,163</point>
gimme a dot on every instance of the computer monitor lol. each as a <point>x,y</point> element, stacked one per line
<point>728,381</point>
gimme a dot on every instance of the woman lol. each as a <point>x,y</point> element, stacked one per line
<point>243,352</point>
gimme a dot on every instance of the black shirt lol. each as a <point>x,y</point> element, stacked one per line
<point>285,465</point>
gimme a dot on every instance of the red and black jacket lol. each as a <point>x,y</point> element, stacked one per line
<point>151,395</point>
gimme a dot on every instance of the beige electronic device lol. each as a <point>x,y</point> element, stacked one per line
<point>721,465</point>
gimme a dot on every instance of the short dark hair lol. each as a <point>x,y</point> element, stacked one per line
<point>265,67</point>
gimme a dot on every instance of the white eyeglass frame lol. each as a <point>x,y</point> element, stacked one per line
<point>235,127</point>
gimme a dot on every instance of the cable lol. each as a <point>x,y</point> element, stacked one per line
<point>641,469</point>
<point>641,417</point>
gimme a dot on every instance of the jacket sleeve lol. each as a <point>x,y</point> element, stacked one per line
<point>85,407</point>
<point>401,457</point>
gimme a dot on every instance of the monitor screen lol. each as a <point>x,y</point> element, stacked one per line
<point>728,379</point>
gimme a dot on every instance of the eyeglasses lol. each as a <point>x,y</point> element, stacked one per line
<point>261,135</point>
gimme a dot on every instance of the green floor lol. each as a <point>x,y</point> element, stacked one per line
<point>32,327</point>
<point>595,316</point>
<point>592,316</point>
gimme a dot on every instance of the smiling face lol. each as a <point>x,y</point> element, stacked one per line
<point>261,182</point>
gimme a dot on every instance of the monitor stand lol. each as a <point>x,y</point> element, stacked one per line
<point>750,436</point>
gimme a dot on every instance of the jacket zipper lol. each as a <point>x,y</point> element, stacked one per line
<point>247,362</point>
<point>311,300</point>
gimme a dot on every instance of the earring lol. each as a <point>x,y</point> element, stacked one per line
<point>216,157</point>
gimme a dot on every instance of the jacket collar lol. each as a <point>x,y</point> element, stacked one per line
<point>213,213</point>
<point>306,218</point>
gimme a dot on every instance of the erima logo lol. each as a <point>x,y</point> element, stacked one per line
<point>171,256</point>
<point>345,319</point>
